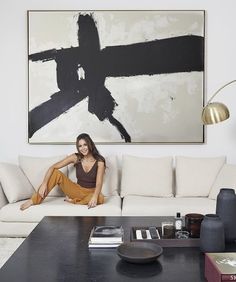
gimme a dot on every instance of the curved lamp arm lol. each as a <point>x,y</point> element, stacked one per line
<point>215,112</point>
<point>220,90</point>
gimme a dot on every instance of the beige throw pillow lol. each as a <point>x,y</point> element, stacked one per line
<point>225,179</point>
<point>146,176</point>
<point>14,183</point>
<point>195,176</point>
<point>35,169</point>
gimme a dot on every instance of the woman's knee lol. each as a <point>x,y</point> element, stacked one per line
<point>57,174</point>
<point>56,171</point>
<point>55,178</point>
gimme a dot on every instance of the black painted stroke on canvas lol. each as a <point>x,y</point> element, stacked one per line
<point>170,55</point>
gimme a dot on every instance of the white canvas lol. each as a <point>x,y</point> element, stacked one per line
<point>170,101</point>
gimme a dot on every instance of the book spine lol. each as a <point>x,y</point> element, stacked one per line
<point>228,277</point>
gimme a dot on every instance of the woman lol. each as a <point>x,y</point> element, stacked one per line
<point>90,167</point>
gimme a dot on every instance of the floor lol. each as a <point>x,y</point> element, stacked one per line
<point>8,247</point>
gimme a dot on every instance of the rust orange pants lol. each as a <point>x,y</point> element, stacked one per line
<point>74,191</point>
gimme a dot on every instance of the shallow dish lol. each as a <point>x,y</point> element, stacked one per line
<point>139,252</point>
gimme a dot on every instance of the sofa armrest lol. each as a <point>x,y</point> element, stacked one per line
<point>3,199</point>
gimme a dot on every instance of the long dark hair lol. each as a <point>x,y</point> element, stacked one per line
<point>91,146</point>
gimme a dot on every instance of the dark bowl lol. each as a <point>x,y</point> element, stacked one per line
<point>139,252</point>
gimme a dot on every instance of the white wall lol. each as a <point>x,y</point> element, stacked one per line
<point>220,68</point>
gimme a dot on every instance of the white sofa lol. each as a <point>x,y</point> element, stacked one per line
<point>146,187</point>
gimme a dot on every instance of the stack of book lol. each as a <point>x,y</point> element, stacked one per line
<point>106,237</point>
<point>220,267</point>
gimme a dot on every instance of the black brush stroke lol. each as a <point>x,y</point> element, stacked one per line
<point>171,55</point>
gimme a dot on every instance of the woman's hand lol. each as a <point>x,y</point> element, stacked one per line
<point>42,190</point>
<point>93,202</point>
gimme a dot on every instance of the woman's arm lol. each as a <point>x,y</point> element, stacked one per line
<point>99,181</point>
<point>68,160</point>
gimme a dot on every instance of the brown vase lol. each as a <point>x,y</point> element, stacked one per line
<point>193,224</point>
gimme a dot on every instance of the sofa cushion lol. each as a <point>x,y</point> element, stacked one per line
<point>225,179</point>
<point>154,206</point>
<point>110,184</point>
<point>146,176</point>
<point>195,176</point>
<point>56,206</point>
<point>16,229</point>
<point>14,183</point>
<point>35,169</point>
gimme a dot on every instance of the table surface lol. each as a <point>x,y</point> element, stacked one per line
<point>57,250</point>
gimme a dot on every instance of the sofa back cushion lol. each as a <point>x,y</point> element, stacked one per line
<point>110,182</point>
<point>14,183</point>
<point>147,176</point>
<point>195,176</point>
<point>35,169</point>
<point>225,179</point>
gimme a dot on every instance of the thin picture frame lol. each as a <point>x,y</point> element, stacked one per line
<point>124,77</point>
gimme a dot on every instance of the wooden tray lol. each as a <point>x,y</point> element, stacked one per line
<point>190,242</point>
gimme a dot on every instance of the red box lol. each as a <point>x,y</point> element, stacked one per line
<point>220,267</point>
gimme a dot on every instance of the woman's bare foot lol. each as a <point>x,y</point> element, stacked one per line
<point>26,205</point>
<point>67,199</point>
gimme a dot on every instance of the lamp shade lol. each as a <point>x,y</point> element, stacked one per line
<point>214,113</point>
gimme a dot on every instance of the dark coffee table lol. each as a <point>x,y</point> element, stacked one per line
<point>57,250</point>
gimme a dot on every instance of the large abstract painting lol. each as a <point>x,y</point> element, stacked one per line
<point>121,76</point>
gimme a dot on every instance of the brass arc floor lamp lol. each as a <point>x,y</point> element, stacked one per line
<point>215,112</point>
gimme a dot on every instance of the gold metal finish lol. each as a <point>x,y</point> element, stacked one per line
<point>215,112</point>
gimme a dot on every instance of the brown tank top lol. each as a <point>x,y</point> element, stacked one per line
<point>86,179</point>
